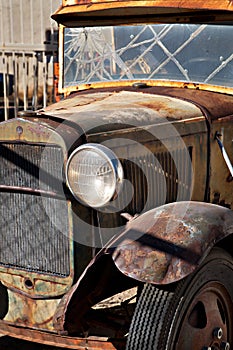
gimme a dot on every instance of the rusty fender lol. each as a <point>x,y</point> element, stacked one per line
<point>167,243</point>
<point>160,246</point>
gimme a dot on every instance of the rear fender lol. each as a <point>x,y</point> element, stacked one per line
<point>167,243</point>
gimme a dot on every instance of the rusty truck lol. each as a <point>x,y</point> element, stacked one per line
<point>116,202</point>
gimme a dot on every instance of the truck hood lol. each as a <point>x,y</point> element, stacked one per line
<point>100,112</point>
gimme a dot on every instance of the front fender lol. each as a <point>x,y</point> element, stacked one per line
<point>167,243</point>
<point>160,246</point>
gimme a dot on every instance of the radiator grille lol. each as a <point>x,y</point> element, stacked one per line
<point>152,180</point>
<point>32,166</point>
<point>158,179</point>
<point>34,229</point>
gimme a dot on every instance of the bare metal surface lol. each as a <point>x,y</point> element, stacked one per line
<point>166,244</point>
<point>27,312</point>
<point>218,105</point>
<point>135,109</point>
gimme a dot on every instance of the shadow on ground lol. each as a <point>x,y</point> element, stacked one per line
<point>7,343</point>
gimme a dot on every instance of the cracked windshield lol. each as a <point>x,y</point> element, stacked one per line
<point>179,52</point>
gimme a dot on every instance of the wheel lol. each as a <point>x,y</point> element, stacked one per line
<point>196,315</point>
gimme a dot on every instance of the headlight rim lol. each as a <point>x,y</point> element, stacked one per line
<point>111,159</point>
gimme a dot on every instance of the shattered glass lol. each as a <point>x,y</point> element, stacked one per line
<point>178,52</point>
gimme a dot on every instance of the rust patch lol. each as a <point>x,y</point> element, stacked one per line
<point>99,12</point>
<point>130,107</point>
<point>166,244</point>
<point>66,342</point>
<point>28,312</point>
<point>161,108</point>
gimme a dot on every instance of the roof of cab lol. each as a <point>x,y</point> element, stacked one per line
<point>79,13</point>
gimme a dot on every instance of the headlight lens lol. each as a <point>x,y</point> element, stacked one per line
<point>94,174</point>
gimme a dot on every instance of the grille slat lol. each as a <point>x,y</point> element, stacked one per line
<point>158,179</point>
<point>34,229</point>
<point>31,166</point>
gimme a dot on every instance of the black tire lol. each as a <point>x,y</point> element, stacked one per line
<point>185,318</point>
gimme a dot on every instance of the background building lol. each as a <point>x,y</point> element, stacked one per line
<point>28,54</point>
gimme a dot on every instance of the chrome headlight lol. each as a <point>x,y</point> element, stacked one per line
<point>94,174</point>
